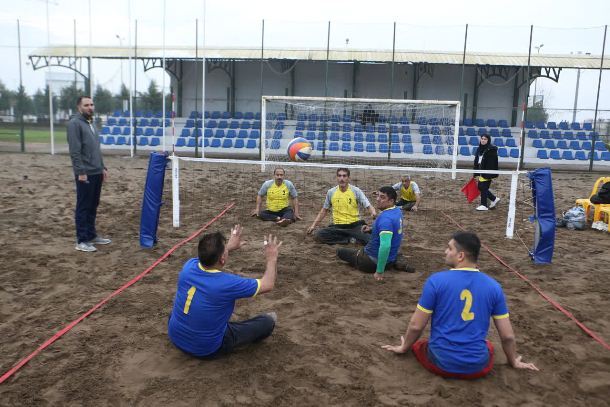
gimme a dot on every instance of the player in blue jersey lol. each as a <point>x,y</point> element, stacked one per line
<point>205,298</point>
<point>460,301</point>
<point>386,237</point>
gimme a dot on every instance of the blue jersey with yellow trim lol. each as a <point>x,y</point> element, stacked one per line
<point>204,303</point>
<point>461,302</point>
<point>388,221</point>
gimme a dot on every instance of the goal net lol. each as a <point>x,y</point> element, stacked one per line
<point>416,133</point>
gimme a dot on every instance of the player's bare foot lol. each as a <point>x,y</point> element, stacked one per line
<point>284,222</point>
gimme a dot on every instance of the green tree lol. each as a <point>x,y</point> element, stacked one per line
<point>104,101</point>
<point>24,104</point>
<point>7,97</point>
<point>121,96</point>
<point>68,97</point>
<point>41,102</point>
<point>537,112</point>
<point>152,99</point>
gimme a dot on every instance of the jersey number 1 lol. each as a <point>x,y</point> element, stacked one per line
<point>189,299</point>
<point>466,296</point>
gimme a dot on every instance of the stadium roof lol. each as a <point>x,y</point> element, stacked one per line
<point>353,55</point>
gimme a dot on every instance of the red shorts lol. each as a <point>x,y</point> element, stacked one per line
<point>420,350</point>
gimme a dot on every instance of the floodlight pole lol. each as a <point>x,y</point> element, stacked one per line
<point>21,93</point>
<point>599,83</point>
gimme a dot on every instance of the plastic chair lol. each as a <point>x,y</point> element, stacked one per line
<point>586,202</point>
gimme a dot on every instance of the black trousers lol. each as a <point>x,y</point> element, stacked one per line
<point>242,333</point>
<point>341,234</point>
<point>286,213</point>
<point>485,192</point>
<point>87,200</point>
<point>406,205</point>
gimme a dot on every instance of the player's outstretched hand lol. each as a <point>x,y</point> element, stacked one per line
<point>310,229</point>
<point>397,348</point>
<point>272,247</point>
<point>235,241</point>
<point>378,276</point>
<point>254,212</point>
<point>518,364</point>
<point>365,229</point>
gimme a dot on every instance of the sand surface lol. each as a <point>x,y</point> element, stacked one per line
<point>332,319</point>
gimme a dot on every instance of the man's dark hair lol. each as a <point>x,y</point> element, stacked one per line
<point>469,243</point>
<point>389,192</point>
<point>211,247</point>
<point>279,168</point>
<point>80,99</point>
<point>346,170</point>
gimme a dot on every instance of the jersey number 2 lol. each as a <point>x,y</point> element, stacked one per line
<point>189,299</point>
<point>466,296</point>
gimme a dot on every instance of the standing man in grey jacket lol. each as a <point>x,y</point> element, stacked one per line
<point>89,174</point>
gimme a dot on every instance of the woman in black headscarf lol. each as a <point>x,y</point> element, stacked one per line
<point>486,158</point>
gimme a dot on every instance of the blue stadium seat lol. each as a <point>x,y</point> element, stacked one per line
<point>215,115</point>
<point>358,128</point>
<point>479,123</point>
<point>232,134</point>
<point>346,147</point>
<point>108,140</point>
<point>467,122</point>
<point>215,143</point>
<point>219,133</point>
<point>465,151</point>
<point>310,135</point>
<point>580,155</point>
<point>143,122</point>
<point>394,138</point>
<point>139,131</point>
<point>321,136</point>
<point>600,146</point>
<point>462,141</point>
<point>149,131</point>
<point>207,133</point>
<point>312,126</point>
<point>154,122</point>
<point>382,138</point>
<point>382,128</point>
<point>234,124</point>
<point>550,144</point>
<point>405,129</point>
<point>275,144</point>
<point>557,135</point>
<point>544,134</point>
<point>256,124</point>
<point>567,155</point>
<point>503,124</point>
<point>181,142</point>
<point>562,144</point>
<point>406,138</point>
<point>333,146</point>
<point>555,155</point>
<point>248,116</point>
<point>423,130</point>
<point>587,126</point>
<point>223,124</point>
<point>251,143</point>
<point>395,148</point>
<point>155,141</point>
<point>586,145</point>
<point>239,143</point>
<point>370,138</point>
<point>111,121</point>
<point>142,141</point>
<point>529,125</point>
<point>407,148</point>
<point>506,133</point>
<point>358,137</point>
<point>105,130</point>
<point>206,115</point>
<point>346,137</point>
<point>334,136</point>
<point>540,125</point>
<point>574,145</point>
<point>575,126</point>
<point>551,125</point>
<point>191,142</point>
<point>245,124</point>
<point>211,124</point>
<point>542,154</point>
<point>564,126</point>
<point>426,140</point>
<point>537,143</point>
<point>116,113</point>
<point>116,131</point>
<point>255,134</point>
<point>369,128</point>
<point>490,123</point>
<point>422,122</point>
<point>500,141</point>
<point>335,127</point>
<point>502,152</point>
<point>437,140</point>
<point>358,147</point>
<point>494,133</point>
<point>242,134</point>
<point>300,126</point>
<point>442,150</point>
<point>514,153</point>
<point>605,156</point>
<point>371,148</point>
<point>510,142</point>
<point>427,149</point>
<point>461,132</point>
<point>126,131</point>
<point>238,115</point>
<point>435,130</point>
<point>473,141</point>
<point>470,131</point>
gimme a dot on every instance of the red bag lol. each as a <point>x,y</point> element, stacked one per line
<point>471,190</point>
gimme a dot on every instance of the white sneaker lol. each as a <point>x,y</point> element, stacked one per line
<point>494,203</point>
<point>85,247</point>
<point>99,240</point>
<point>482,208</point>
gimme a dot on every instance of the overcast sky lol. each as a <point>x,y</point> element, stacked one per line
<point>563,26</point>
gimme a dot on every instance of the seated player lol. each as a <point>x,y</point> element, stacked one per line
<point>345,200</point>
<point>386,237</point>
<point>409,194</point>
<point>205,298</point>
<point>278,192</point>
<point>461,302</point>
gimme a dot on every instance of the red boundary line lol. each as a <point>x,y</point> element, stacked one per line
<point>71,325</point>
<point>542,294</point>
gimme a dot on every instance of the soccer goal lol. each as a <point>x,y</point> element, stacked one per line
<point>399,133</point>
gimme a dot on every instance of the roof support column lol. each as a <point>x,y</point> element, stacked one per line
<point>475,93</point>
<point>515,103</point>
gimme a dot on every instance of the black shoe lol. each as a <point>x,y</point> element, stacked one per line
<point>403,266</point>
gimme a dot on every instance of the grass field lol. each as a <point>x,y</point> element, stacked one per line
<point>32,134</point>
